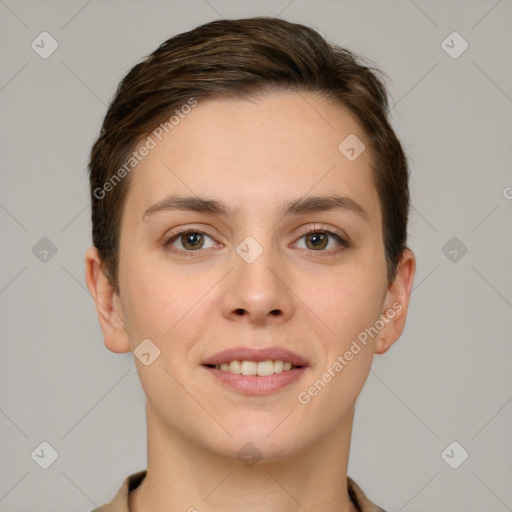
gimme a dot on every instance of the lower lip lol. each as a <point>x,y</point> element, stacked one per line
<point>255,385</point>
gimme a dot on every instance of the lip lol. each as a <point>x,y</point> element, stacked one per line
<point>256,385</point>
<point>257,355</point>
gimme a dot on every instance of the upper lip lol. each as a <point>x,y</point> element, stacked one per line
<point>257,355</point>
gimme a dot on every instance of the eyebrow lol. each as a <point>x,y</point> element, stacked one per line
<point>307,204</point>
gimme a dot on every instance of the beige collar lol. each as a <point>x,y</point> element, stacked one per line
<point>120,501</point>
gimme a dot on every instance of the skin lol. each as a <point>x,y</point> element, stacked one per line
<point>252,155</point>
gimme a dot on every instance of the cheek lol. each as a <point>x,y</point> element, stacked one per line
<point>353,307</point>
<point>154,309</point>
<point>160,302</point>
<point>345,302</point>
<point>146,301</point>
<point>347,309</point>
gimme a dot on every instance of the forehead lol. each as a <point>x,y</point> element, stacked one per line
<point>277,147</point>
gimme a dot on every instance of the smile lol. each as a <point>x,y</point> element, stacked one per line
<point>251,383</point>
<point>262,368</point>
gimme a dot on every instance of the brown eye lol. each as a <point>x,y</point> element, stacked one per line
<point>192,240</point>
<point>316,241</point>
<point>189,240</point>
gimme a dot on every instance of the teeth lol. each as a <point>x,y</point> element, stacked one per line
<point>264,368</point>
<point>261,369</point>
<point>250,367</point>
<point>233,367</point>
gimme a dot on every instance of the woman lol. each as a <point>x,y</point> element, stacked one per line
<point>249,206</point>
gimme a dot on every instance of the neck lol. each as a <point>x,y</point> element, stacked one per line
<point>182,475</point>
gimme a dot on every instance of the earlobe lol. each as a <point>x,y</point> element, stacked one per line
<point>108,305</point>
<point>396,303</point>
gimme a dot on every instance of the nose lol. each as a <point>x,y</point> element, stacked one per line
<point>256,289</point>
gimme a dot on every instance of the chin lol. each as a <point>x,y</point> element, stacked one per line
<point>267,434</point>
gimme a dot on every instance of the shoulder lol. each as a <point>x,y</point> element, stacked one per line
<point>361,501</point>
<point>120,501</point>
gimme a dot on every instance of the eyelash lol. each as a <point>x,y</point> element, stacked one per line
<point>310,230</point>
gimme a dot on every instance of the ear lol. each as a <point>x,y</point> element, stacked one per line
<point>108,304</point>
<point>396,303</point>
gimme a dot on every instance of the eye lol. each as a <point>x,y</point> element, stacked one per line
<point>317,240</point>
<point>190,240</point>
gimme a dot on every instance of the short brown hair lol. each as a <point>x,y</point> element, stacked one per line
<point>239,58</point>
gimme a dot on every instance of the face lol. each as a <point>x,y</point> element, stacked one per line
<point>254,277</point>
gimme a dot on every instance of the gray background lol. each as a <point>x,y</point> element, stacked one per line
<point>447,379</point>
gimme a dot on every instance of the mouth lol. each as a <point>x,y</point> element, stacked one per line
<point>256,372</point>
<point>260,369</point>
